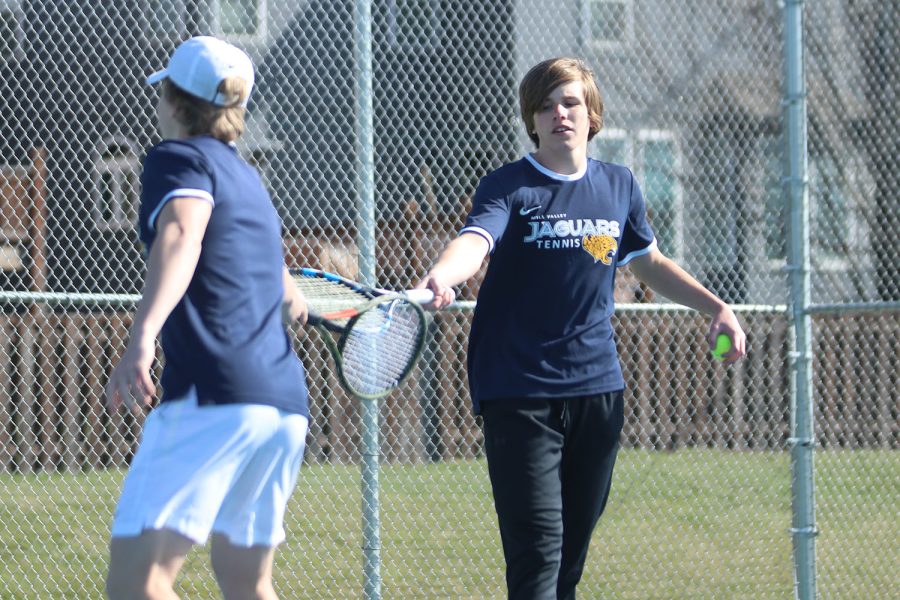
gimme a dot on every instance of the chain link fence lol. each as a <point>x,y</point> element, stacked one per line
<point>701,500</point>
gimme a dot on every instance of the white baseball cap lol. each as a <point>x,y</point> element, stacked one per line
<point>201,63</point>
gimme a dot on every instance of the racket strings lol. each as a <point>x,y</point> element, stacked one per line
<point>382,345</point>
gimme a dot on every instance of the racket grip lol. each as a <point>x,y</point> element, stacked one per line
<point>419,296</point>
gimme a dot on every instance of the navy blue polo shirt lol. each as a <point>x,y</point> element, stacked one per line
<point>542,326</point>
<point>225,341</point>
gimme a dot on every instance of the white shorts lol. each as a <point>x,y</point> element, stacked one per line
<point>228,469</point>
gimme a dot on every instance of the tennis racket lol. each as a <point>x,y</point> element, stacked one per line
<point>380,334</point>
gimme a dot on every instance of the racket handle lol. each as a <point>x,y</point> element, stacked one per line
<point>419,296</point>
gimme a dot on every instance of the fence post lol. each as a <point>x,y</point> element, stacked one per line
<point>365,219</point>
<point>802,441</point>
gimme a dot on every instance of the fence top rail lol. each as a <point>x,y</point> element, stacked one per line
<point>80,298</point>
<point>126,299</point>
<point>69,298</point>
<point>465,305</point>
<point>853,307</point>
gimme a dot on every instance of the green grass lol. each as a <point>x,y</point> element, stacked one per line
<point>690,524</point>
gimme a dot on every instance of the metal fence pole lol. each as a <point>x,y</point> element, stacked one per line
<point>802,441</point>
<point>365,221</point>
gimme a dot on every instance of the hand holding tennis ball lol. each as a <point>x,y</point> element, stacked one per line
<point>723,346</point>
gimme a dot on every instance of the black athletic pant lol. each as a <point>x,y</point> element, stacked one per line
<point>550,463</point>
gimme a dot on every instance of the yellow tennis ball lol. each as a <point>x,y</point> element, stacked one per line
<point>723,345</point>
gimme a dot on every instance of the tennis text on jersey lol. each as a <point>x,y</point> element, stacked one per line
<point>596,236</point>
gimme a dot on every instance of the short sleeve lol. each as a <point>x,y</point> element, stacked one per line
<point>170,171</point>
<point>490,212</point>
<point>637,235</point>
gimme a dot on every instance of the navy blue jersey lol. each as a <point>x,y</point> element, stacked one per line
<point>542,327</point>
<point>225,341</point>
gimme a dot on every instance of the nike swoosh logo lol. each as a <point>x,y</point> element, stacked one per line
<point>524,211</point>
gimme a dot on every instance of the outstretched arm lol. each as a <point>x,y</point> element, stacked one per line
<point>459,261</point>
<point>173,259</point>
<point>676,284</point>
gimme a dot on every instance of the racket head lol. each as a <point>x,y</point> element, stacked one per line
<point>332,300</point>
<point>382,333</point>
<point>380,347</point>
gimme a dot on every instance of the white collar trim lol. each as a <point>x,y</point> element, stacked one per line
<point>553,174</point>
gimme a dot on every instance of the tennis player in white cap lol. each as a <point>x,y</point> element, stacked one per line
<point>220,454</point>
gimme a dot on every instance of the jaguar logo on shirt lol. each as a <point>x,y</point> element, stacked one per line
<point>602,247</point>
<point>597,237</point>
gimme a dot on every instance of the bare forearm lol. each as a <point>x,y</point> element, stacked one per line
<point>173,259</point>
<point>665,277</point>
<point>673,282</point>
<point>460,260</point>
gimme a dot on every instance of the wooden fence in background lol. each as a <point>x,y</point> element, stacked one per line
<point>53,366</point>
